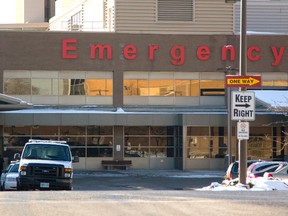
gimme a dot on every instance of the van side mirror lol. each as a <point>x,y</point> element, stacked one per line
<point>76,159</point>
<point>16,156</point>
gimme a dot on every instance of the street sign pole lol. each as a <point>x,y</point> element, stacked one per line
<point>243,72</point>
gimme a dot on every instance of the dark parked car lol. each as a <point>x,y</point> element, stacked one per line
<point>233,169</point>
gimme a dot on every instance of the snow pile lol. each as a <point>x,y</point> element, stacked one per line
<point>255,184</point>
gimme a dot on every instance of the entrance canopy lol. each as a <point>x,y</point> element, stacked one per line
<point>8,103</point>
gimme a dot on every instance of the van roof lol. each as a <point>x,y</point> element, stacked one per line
<point>58,142</point>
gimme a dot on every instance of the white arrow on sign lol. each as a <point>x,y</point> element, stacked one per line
<point>243,106</point>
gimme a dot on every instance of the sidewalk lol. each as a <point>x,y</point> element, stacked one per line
<point>155,173</point>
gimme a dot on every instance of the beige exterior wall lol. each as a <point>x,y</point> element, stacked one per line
<point>19,11</point>
<point>29,11</point>
<point>264,16</point>
<point>138,16</point>
<point>91,18</point>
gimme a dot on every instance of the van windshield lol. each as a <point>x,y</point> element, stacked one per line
<point>46,152</point>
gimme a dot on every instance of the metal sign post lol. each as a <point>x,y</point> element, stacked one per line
<point>243,71</point>
<point>243,106</point>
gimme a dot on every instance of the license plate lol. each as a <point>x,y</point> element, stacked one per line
<point>44,185</point>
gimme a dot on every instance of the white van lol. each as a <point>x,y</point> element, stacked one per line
<point>45,164</point>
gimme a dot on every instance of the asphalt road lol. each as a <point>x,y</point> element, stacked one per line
<point>145,180</point>
<point>140,193</point>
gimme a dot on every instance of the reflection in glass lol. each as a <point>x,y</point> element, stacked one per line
<point>17,86</point>
<point>136,152</point>
<point>99,130</point>
<point>44,130</point>
<point>44,86</point>
<point>136,87</point>
<point>158,152</point>
<point>161,88</point>
<point>77,87</point>
<point>100,152</point>
<point>72,130</point>
<point>140,130</point>
<point>48,86</point>
<point>102,87</point>
<point>198,147</point>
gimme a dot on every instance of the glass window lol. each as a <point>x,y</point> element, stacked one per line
<point>80,152</point>
<point>182,87</point>
<point>206,142</point>
<point>259,147</point>
<point>102,151</point>
<point>159,143</point>
<point>198,131</point>
<point>136,142</point>
<point>137,130</point>
<point>260,131</point>
<point>163,84</point>
<point>17,86</point>
<point>136,87</point>
<point>14,130</point>
<point>212,87</point>
<point>64,87</point>
<point>14,140</point>
<point>136,146</point>
<point>99,87</point>
<point>44,86</point>
<point>18,140</point>
<point>77,87</point>
<point>198,147</point>
<point>72,130</point>
<point>158,152</point>
<point>162,130</point>
<point>187,88</point>
<point>99,130</point>
<point>283,83</point>
<point>100,141</point>
<point>161,88</point>
<point>44,130</point>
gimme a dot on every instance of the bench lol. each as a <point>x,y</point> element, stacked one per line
<point>119,164</point>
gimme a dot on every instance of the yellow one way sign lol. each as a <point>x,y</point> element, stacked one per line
<point>243,81</point>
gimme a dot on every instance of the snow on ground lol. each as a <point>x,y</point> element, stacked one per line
<point>255,184</point>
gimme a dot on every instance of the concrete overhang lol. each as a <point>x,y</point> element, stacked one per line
<point>8,103</point>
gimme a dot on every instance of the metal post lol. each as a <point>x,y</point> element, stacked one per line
<point>229,71</point>
<point>229,134</point>
<point>243,72</point>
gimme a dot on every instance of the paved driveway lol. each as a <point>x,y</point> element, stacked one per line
<point>145,179</point>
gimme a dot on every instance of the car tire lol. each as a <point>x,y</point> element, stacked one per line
<point>19,188</point>
<point>4,189</point>
<point>68,188</point>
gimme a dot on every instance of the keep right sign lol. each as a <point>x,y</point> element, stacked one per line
<point>243,106</point>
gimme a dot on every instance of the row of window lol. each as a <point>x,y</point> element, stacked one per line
<point>37,86</point>
<point>147,141</point>
<point>136,83</point>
